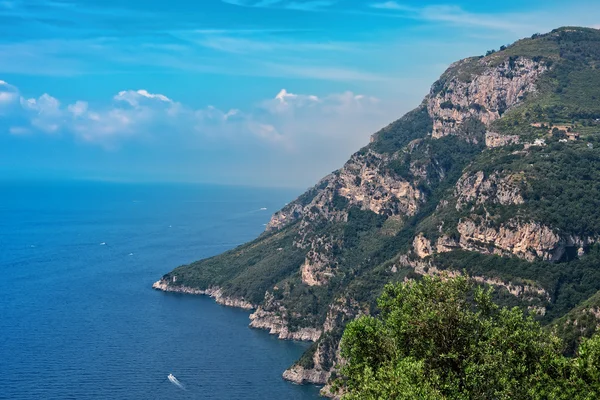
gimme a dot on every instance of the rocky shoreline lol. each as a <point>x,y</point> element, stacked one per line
<point>215,292</point>
<point>260,319</point>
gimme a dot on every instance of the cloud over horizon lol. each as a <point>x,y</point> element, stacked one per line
<point>284,129</point>
<point>193,90</point>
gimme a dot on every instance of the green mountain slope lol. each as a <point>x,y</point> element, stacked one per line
<point>496,173</point>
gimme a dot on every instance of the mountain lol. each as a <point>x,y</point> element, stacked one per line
<point>496,174</point>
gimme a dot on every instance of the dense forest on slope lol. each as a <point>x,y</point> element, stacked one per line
<point>496,174</point>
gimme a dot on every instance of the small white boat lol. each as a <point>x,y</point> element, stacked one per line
<point>175,381</point>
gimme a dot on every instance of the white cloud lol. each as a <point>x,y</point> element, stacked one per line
<point>304,135</point>
<point>45,113</point>
<point>8,93</point>
<point>391,5</point>
<point>45,104</point>
<point>6,97</point>
<point>134,97</point>
<point>288,121</point>
<point>79,108</point>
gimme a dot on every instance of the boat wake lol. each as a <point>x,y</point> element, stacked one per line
<point>175,381</point>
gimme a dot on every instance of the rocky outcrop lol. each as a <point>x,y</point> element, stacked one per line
<point>300,375</point>
<point>277,324</point>
<point>364,182</point>
<point>272,316</point>
<point>525,291</point>
<point>310,273</point>
<point>480,189</point>
<point>493,139</point>
<point>287,215</point>
<point>445,244</point>
<point>528,240</point>
<point>321,366</point>
<point>521,290</point>
<point>341,311</point>
<point>214,292</point>
<point>327,355</point>
<point>484,96</point>
<point>422,246</point>
<point>319,264</point>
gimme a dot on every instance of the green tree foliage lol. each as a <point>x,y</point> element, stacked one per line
<point>415,124</point>
<point>445,339</point>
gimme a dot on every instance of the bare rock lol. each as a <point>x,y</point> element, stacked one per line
<point>529,240</point>
<point>485,97</point>
<point>493,139</point>
<point>478,189</point>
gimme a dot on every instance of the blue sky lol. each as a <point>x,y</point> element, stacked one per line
<point>258,92</point>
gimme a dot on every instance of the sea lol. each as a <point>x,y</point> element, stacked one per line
<point>78,316</point>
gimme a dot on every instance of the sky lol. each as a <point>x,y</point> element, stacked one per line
<point>244,92</point>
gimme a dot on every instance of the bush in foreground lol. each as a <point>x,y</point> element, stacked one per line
<point>442,338</point>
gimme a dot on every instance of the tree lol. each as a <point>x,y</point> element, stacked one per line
<point>444,338</point>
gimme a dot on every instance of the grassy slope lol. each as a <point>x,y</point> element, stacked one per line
<point>248,270</point>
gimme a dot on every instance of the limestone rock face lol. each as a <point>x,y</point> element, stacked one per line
<point>277,324</point>
<point>422,246</point>
<point>323,360</point>
<point>327,354</point>
<point>493,139</point>
<point>341,311</point>
<point>485,96</point>
<point>272,316</point>
<point>299,375</point>
<point>445,244</point>
<point>479,189</point>
<point>529,292</point>
<point>365,182</point>
<point>287,215</point>
<point>319,265</point>
<point>526,240</point>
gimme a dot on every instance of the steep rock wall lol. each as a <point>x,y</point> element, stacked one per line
<point>484,96</point>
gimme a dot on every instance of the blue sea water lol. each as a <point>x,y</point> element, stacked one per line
<point>78,317</point>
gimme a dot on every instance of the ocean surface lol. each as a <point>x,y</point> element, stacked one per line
<point>78,317</point>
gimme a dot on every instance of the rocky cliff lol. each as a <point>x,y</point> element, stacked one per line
<point>215,292</point>
<point>481,89</point>
<point>473,180</point>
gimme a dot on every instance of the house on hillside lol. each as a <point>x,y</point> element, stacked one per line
<point>572,135</point>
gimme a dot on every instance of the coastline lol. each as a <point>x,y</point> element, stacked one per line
<point>260,319</point>
<point>215,292</point>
